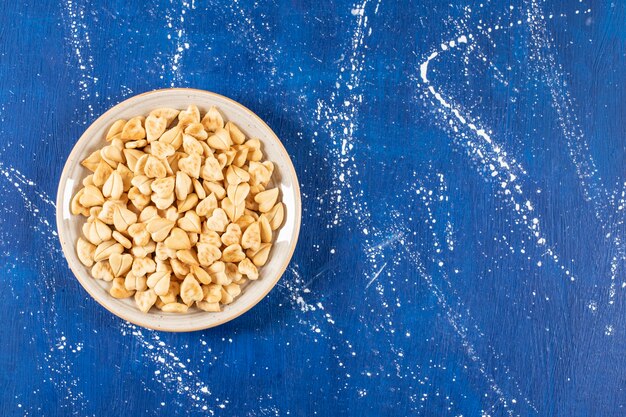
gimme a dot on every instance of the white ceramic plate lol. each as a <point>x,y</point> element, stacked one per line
<point>69,226</point>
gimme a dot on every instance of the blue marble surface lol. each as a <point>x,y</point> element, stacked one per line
<point>462,250</point>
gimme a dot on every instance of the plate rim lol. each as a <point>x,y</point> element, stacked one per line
<point>281,270</point>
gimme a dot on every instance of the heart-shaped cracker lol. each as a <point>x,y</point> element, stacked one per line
<point>133,130</point>
<point>178,239</point>
<point>183,185</point>
<point>233,253</point>
<point>159,228</point>
<point>160,282</point>
<point>234,211</point>
<point>165,113</point>
<point>236,135</point>
<point>213,120</point>
<point>145,299</point>
<point>190,165</point>
<point>208,254</point>
<point>211,171</point>
<point>236,175</point>
<point>220,140</point>
<point>154,168</point>
<point>190,222</point>
<point>115,130</point>
<point>232,235</point>
<point>197,131</point>
<point>191,145</point>
<point>238,192</point>
<point>247,268</point>
<point>189,116</point>
<point>218,220</point>
<point>102,270</point>
<point>190,290</point>
<point>163,187</point>
<point>251,238</point>
<point>120,263</point>
<point>173,136</point>
<point>155,126</point>
<point>162,150</point>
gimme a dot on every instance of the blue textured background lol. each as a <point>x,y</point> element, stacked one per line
<point>462,250</point>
